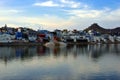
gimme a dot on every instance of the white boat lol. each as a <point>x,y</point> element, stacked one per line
<point>55,44</point>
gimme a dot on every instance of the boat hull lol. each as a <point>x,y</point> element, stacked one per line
<point>57,44</point>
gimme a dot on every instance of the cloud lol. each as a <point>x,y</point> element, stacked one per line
<point>73,4</point>
<point>47,4</point>
<point>85,13</point>
<point>104,14</point>
<point>70,3</point>
<point>78,19</point>
<point>45,21</point>
<point>83,18</point>
<point>113,15</point>
<point>61,4</point>
<point>14,11</point>
<point>10,11</point>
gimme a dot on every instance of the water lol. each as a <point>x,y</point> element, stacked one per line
<point>75,62</point>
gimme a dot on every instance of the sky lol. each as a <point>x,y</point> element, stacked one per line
<point>60,14</point>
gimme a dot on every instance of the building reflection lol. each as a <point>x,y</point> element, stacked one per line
<point>42,51</point>
<point>24,53</point>
<point>94,52</point>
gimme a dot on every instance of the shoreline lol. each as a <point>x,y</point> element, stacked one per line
<point>21,44</point>
<point>42,44</point>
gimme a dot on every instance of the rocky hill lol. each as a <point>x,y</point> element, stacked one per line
<point>102,30</point>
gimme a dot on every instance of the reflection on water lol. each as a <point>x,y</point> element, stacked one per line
<point>79,62</point>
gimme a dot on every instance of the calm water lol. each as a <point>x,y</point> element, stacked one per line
<point>75,62</point>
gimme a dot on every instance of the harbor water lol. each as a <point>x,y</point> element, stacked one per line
<point>74,62</point>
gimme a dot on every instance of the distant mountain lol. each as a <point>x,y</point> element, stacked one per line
<point>102,30</point>
<point>116,30</point>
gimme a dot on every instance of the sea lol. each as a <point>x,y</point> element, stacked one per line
<point>73,62</point>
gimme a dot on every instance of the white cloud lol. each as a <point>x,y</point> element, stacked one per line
<point>86,13</point>
<point>70,3</point>
<point>73,4</point>
<point>106,18</point>
<point>113,15</point>
<point>14,11</point>
<point>78,19</point>
<point>10,11</point>
<point>47,3</point>
<point>45,21</point>
<point>61,3</point>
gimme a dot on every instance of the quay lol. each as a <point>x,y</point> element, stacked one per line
<point>21,44</point>
<point>42,44</point>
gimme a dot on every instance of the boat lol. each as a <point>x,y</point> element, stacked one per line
<point>55,44</point>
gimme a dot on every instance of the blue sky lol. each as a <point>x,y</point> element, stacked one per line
<point>60,14</point>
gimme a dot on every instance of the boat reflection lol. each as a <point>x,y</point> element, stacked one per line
<point>94,52</point>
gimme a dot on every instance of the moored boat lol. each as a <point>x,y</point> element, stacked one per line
<point>55,44</point>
